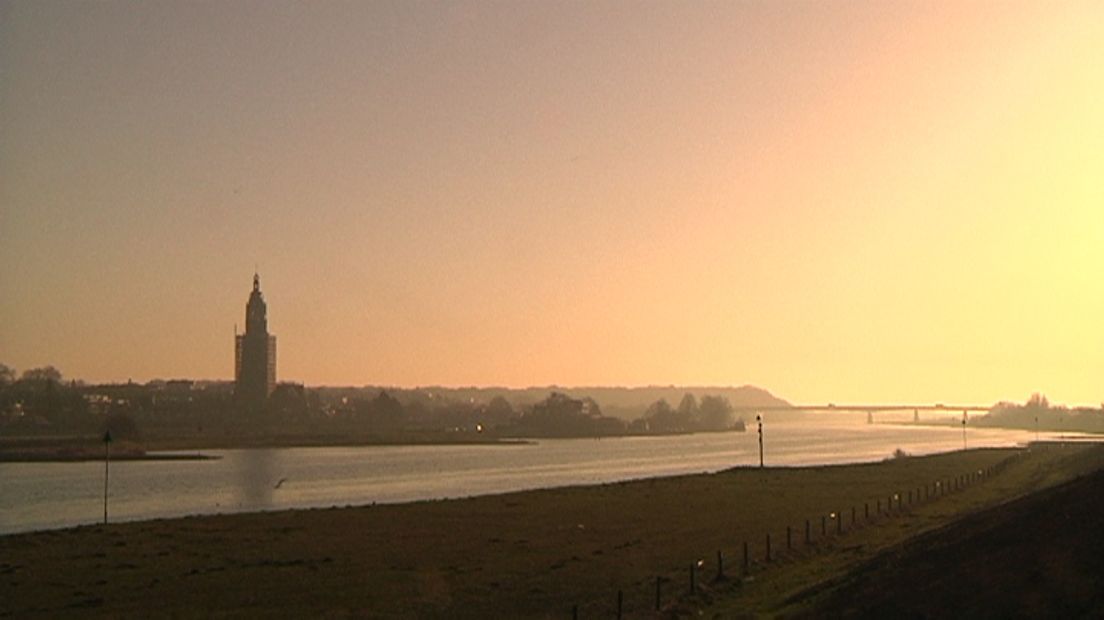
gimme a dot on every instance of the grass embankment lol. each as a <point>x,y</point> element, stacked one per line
<point>1039,556</point>
<point>532,554</point>
<point>798,585</point>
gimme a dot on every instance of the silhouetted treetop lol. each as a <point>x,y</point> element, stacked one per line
<point>7,375</point>
<point>44,375</point>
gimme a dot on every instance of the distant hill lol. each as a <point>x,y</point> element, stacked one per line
<point>630,403</point>
<point>627,403</point>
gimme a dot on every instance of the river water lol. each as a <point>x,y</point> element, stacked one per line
<point>35,496</point>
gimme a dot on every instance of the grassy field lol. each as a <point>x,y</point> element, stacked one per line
<point>530,554</point>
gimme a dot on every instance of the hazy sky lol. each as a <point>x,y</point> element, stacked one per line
<point>837,201</point>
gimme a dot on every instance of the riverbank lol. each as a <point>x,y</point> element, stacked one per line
<point>528,554</point>
<point>32,449</point>
<point>80,449</point>
<point>91,448</point>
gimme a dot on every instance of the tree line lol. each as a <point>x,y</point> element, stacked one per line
<point>40,402</point>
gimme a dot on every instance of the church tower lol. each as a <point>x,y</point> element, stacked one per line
<point>254,354</point>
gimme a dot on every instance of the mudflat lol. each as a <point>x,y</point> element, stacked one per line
<point>528,554</point>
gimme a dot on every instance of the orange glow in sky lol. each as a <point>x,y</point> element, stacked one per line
<point>860,201</point>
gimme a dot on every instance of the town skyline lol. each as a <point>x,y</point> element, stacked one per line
<point>871,202</point>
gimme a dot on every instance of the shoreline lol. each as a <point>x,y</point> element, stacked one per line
<point>69,449</point>
<point>84,458</point>
<point>43,449</point>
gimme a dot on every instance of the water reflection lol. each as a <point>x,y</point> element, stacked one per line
<point>257,472</point>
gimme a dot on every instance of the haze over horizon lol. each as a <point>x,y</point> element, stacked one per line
<point>848,202</point>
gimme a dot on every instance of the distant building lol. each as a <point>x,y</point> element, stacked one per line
<point>254,354</point>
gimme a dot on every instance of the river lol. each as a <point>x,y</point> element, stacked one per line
<point>36,496</point>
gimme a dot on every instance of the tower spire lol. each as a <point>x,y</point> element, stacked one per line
<point>254,352</point>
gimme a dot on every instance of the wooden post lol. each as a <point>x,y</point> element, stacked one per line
<point>768,548</point>
<point>807,537</point>
<point>720,565</point>
<point>620,603</point>
<point>107,468</point>
<point>789,538</point>
<point>823,525</point>
<point>693,586</point>
<point>852,516</point>
<point>747,559</point>
<point>659,591</point>
<point>839,523</point>
<point>574,612</point>
<point>866,510</point>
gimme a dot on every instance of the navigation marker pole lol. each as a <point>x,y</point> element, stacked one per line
<point>107,466</point>
<point>759,419</point>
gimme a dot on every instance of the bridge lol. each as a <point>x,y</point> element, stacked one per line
<point>869,408</point>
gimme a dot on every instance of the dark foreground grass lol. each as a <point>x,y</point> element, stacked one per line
<point>528,554</point>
